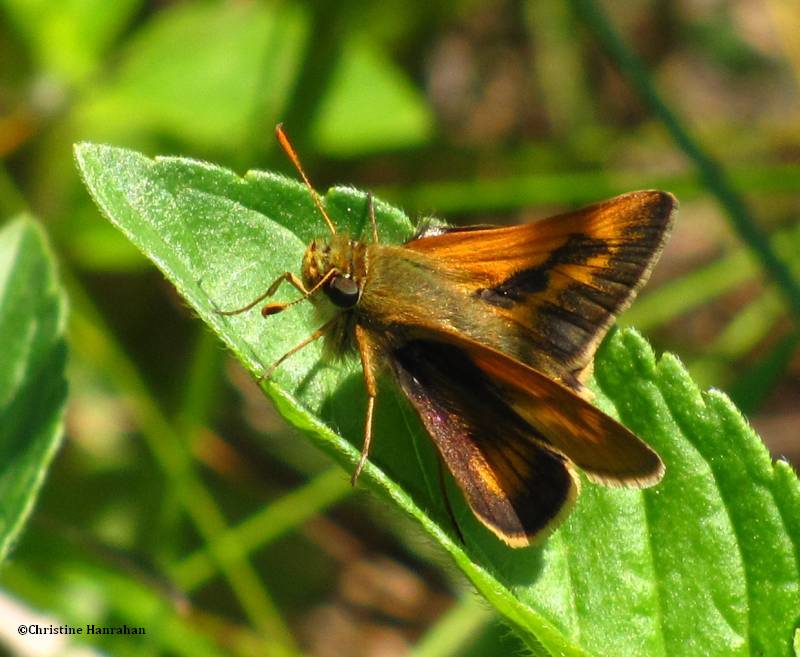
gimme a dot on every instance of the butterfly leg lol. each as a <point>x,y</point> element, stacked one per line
<point>286,276</point>
<point>366,349</point>
<point>277,307</point>
<point>316,335</point>
<point>371,210</point>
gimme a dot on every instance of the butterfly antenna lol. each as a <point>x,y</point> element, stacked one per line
<point>289,150</point>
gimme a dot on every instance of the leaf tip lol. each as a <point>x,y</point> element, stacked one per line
<point>628,347</point>
<point>82,151</point>
<point>80,148</point>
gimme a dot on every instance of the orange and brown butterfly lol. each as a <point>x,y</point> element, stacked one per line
<point>490,333</point>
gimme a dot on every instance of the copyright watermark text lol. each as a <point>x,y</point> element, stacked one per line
<point>90,628</point>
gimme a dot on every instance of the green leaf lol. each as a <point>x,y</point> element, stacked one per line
<point>68,37</point>
<point>204,73</point>
<point>32,360</point>
<point>723,527</point>
<point>704,564</point>
<point>371,105</point>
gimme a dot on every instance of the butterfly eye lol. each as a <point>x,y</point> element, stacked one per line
<point>343,291</point>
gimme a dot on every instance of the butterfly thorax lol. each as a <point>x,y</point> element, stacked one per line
<point>339,263</point>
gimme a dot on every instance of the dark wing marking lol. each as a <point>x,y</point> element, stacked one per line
<point>603,448</point>
<point>514,484</point>
<point>561,281</point>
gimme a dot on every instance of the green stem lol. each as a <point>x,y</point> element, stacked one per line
<point>453,633</point>
<point>697,287</point>
<point>525,190</point>
<point>710,171</point>
<point>199,388</point>
<point>272,522</point>
<point>202,383</point>
<point>94,341</point>
<point>754,385</point>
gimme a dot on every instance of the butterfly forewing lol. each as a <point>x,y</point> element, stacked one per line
<point>561,281</point>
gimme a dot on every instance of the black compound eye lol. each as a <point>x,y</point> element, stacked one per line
<point>343,291</point>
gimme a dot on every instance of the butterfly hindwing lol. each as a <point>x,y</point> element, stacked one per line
<point>514,484</point>
<point>599,445</point>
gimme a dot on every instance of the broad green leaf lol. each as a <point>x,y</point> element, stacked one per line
<point>704,564</point>
<point>203,73</point>
<point>370,105</point>
<point>32,360</point>
<point>67,38</point>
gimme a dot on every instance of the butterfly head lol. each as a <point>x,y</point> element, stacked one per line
<point>338,263</point>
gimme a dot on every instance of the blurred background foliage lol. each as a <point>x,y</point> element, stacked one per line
<point>488,111</point>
